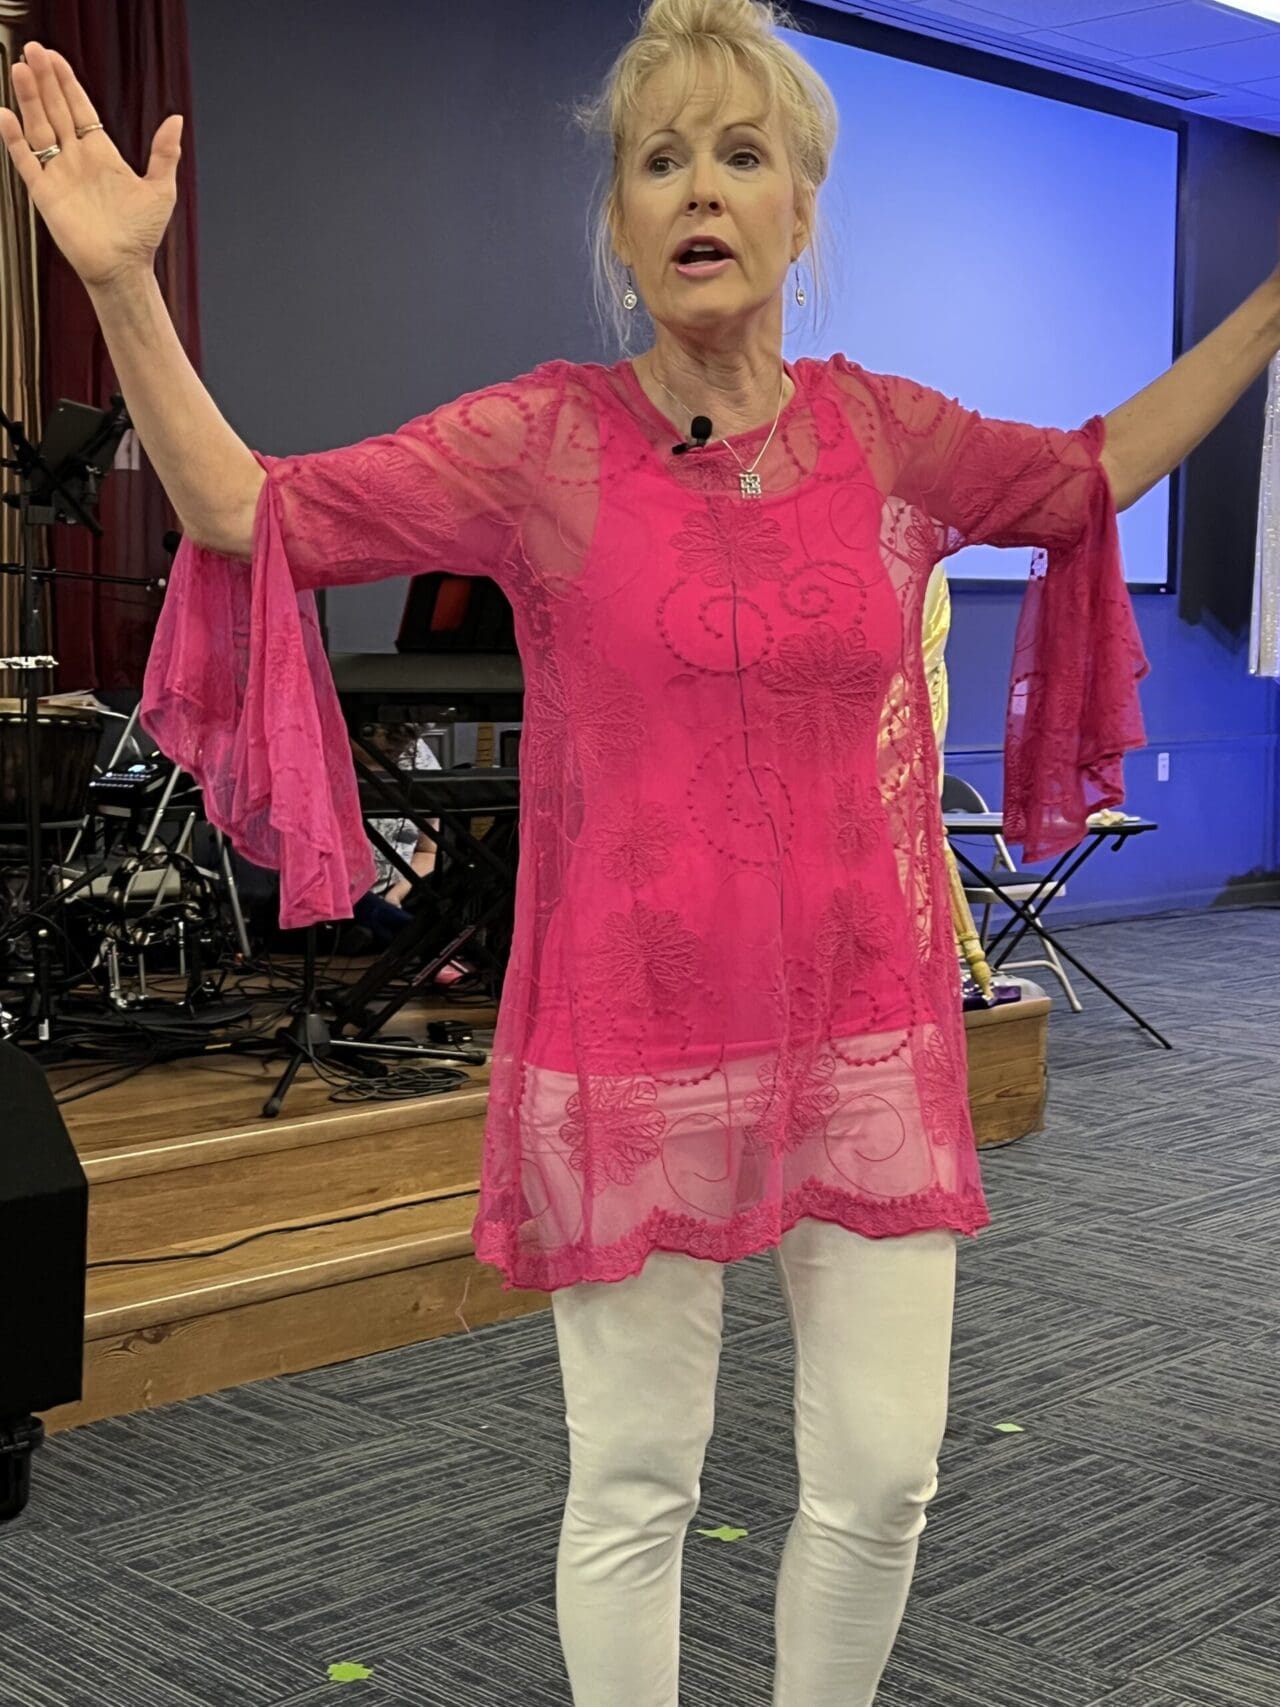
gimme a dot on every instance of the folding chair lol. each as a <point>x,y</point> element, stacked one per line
<point>1006,884</point>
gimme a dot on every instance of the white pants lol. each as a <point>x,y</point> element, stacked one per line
<point>871,1319</point>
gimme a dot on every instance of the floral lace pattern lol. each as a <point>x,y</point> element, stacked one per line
<point>732,995</point>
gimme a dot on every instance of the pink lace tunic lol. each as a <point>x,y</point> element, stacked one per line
<point>732,1000</point>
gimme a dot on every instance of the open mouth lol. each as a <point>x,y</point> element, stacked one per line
<point>699,262</point>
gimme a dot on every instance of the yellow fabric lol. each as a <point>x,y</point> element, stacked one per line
<point>936,626</point>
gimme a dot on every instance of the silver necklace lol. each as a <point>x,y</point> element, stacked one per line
<point>748,480</point>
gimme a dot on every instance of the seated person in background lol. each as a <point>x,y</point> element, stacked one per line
<point>404,747</point>
<point>381,911</point>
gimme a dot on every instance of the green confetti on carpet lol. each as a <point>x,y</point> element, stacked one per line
<point>346,1673</point>
<point>724,1533</point>
<point>1010,1428</point>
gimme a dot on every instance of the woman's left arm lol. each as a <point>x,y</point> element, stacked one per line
<point>1152,433</point>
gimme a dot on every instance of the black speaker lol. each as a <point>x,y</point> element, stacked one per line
<point>44,1213</point>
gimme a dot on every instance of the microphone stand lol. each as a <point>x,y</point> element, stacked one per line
<point>47,495</point>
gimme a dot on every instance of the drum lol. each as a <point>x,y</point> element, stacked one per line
<point>69,739</point>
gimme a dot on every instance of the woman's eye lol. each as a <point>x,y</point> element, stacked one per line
<point>739,154</point>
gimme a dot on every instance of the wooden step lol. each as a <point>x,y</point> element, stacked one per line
<point>190,1158</point>
<point>204,1209</point>
<point>281,1303</point>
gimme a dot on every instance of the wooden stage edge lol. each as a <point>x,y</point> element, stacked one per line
<point>206,1211</point>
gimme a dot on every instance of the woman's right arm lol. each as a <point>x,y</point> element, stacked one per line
<point>108,221</point>
<point>238,689</point>
<point>211,476</point>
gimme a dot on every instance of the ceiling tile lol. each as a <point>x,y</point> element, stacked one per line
<point>1056,14</point>
<point>1110,40</point>
<point>1053,41</point>
<point>1157,69</point>
<point>957,11</point>
<point>1259,57</point>
<point>1170,29</point>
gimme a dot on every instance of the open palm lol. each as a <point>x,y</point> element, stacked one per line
<point>105,219</point>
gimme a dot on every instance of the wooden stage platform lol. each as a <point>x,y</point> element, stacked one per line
<point>180,1160</point>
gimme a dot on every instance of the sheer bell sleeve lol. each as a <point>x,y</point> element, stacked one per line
<point>1073,709</point>
<point>238,689</point>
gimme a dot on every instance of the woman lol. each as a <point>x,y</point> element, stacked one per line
<point>730,1022</point>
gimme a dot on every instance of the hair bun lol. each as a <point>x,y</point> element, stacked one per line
<point>743,19</point>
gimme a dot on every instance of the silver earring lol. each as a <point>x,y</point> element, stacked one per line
<point>629,297</point>
<point>801,299</point>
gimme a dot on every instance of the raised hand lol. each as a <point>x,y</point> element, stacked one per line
<point>106,220</point>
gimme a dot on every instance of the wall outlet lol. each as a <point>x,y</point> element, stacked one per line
<point>1162,767</point>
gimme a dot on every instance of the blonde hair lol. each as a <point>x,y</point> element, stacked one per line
<point>687,34</point>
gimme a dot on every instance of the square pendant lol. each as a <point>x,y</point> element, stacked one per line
<point>750,484</point>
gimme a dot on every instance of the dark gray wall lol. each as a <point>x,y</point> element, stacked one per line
<point>393,200</point>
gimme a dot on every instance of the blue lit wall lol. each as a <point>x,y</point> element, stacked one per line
<point>1014,251</point>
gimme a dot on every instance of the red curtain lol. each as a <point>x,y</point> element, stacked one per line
<point>132,58</point>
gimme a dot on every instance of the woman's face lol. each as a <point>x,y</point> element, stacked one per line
<point>724,175</point>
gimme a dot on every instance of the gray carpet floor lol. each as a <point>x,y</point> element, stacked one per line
<point>402,1512</point>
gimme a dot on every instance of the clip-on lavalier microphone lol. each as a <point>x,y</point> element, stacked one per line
<point>699,433</point>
